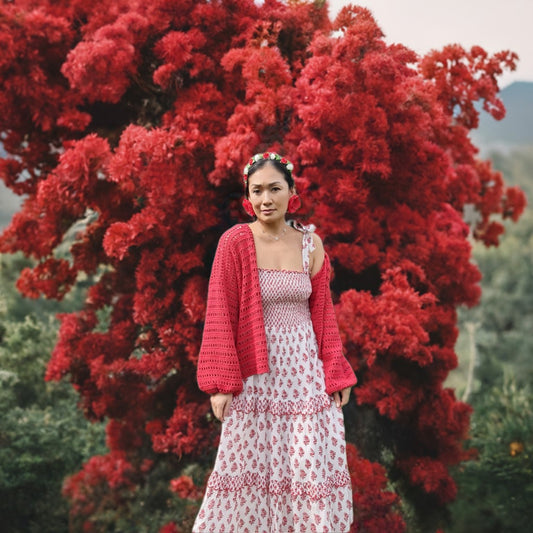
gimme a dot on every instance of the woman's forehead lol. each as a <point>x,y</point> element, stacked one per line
<point>267,175</point>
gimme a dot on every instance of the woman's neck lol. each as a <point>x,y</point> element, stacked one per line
<point>275,229</point>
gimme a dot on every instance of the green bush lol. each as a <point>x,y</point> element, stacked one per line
<point>496,490</point>
<point>43,435</point>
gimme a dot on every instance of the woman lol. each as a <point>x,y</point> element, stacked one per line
<point>272,360</point>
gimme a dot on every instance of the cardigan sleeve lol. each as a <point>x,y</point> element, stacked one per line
<point>218,362</point>
<point>338,372</point>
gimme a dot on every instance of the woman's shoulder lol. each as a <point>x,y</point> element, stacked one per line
<point>235,240</point>
<point>236,232</point>
<point>304,228</point>
<point>308,230</point>
<point>317,241</point>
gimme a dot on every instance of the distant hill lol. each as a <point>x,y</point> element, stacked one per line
<point>516,129</point>
<point>9,205</point>
<point>9,202</point>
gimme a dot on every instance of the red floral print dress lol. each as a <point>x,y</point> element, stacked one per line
<point>281,464</point>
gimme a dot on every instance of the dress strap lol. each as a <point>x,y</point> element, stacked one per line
<point>307,247</point>
<point>308,244</point>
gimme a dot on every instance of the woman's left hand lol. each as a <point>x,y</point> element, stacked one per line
<point>341,397</point>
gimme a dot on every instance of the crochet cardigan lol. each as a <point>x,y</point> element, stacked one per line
<point>234,344</point>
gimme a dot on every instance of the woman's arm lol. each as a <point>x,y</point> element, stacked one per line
<point>218,363</point>
<point>317,255</point>
<point>338,372</point>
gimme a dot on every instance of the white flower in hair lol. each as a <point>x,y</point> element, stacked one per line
<point>266,155</point>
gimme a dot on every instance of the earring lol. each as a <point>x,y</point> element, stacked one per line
<point>294,204</point>
<point>247,205</point>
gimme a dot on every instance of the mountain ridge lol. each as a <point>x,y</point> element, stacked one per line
<point>515,130</point>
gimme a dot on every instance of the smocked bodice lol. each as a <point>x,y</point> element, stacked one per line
<point>285,293</point>
<point>285,297</point>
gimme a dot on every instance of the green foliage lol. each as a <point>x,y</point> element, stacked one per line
<point>496,490</point>
<point>43,436</point>
<point>15,308</point>
<point>517,167</point>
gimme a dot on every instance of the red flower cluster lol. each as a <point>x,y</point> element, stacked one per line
<point>127,125</point>
<point>185,488</point>
<point>103,484</point>
<point>375,506</point>
<point>171,528</point>
<point>185,432</point>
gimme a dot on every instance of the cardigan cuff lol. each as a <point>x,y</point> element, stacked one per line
<point>338,385</point>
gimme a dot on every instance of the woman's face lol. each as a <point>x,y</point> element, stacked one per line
<point>269,193</point>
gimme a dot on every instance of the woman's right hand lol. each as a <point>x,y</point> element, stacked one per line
<point>220,403</point>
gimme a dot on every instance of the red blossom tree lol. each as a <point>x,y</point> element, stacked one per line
<point>126,126</point>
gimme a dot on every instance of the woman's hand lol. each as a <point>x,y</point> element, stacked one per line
<point>341,397</point>
<point>220,403</point>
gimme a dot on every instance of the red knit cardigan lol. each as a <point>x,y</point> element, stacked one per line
<point>234,344</point>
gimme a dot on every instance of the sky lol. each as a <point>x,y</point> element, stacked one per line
<point>423,25</point>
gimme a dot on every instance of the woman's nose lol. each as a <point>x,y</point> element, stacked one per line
<point>267,198</point>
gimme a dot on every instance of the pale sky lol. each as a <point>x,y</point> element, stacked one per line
<point>423,25</point>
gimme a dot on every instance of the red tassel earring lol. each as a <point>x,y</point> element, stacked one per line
<point>247,205</point>
<point>294,204</point>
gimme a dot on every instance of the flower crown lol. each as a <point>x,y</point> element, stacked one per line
<point>266,155</point>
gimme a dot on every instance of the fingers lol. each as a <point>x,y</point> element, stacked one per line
<point>342,397</point>
<point>337,399</point>
<point>345,396</point>
<point>225,411</point>
<point>218,408</point>
<point>220,403</point>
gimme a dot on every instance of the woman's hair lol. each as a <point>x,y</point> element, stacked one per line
<point>278,165</point>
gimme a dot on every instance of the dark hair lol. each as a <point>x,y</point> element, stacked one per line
<point>287,174</point>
